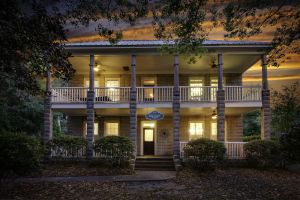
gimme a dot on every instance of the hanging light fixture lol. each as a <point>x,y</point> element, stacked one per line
<point>214,115</point>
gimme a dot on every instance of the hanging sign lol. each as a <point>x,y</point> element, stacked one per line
<point>154,115</point>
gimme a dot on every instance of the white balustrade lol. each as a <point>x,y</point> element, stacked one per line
<point>69,94</point>
<point>112,94</point>
<point>234,150</point>
<point>155,94</point>
<point>242,93</point>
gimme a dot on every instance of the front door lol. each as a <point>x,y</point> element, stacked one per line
<point>148,141</point>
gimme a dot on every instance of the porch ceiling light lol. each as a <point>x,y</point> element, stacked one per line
<point>214,115</point>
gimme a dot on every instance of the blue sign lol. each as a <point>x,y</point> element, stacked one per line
<point>154,115</point>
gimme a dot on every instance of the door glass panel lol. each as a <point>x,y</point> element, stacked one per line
<point>196,90</point>
<point>148,92</point>
<point>213,83</point>
<point>112,91</point>
<point>149,136</point>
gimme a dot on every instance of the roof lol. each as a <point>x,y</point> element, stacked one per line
<point>148,43</point>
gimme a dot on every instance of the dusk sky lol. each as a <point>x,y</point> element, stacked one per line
<point>286,74</point>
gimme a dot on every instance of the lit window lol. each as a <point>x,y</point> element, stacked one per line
<point>196,130</point>
<point>213,131</point>
<point>213,89</point>
<point>96,128</point>
<point>196,88</point>
<point>111,128</point>
<point>113,92</point>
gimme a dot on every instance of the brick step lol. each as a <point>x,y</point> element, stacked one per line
<point>154,169</point>
<point>155,159</point>
<point>161,162</point>
<point>155,164</point>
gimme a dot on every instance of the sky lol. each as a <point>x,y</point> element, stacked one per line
<point>286,74</point>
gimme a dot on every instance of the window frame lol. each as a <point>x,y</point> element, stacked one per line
<point>105,127</point>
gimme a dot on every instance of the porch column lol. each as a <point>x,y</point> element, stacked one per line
<point>133,117</point>
<point>90,111</point>
<point>176,109</point>
<point>265,97</point>
<point>220,102</point>
<point>48,118</point>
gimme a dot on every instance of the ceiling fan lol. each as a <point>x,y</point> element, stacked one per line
<point>99,67</point>
<point>213,64</point>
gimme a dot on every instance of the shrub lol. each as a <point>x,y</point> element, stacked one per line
<point>117,150</point>
<point>19,154</point>
<point>251,138</point>
<point>71,146</point>
<point>263,153</point>
<point>204,153</point>
<point>291,145</point>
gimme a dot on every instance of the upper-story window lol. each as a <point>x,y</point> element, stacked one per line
<point>112,91</point>
<point>196,130</point>
<point>196,90</point>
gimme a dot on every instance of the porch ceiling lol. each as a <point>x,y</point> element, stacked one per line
<point>165,111</point>
<point>156,64</point>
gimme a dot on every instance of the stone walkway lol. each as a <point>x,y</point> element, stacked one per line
<point>139,176</point>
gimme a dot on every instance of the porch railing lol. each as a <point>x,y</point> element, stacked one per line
<point>234,150</point>
<point>154,94</point>
<point>69,94</point>
<point>242,93</point>
<point>203,93</point>
<point>112,94</point>
<point>157,94</point>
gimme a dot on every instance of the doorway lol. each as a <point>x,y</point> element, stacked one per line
<point>148,135</point>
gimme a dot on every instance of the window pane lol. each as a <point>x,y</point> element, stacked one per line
<point>213,131</point>
<point>112,128</point>
<point>196,130</point>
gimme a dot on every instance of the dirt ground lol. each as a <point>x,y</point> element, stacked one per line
<point>221,184</point>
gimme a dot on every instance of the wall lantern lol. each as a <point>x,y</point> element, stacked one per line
<point>214,115</point>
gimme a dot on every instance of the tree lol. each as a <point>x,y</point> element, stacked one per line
<point>285,109</point>
<point>251,122</point>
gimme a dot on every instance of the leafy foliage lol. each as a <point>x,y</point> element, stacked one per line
<point>291,145</point>
<point>285,109</point>
<point>19,154</point>
<point>263,153</point>
<point>251,123</point>
<point>116,149</point>
<point>70,145</point>
<point>249,138</point>
<point>204,153</point>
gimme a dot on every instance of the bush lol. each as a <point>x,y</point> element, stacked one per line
<point>290,143</point>
<point>117,150</point>
<point>204,153</point>
<point>251,138</point>
<point>71,146</point>
<point>19,154</point>
<point>263,153</point>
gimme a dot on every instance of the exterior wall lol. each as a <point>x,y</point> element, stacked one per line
<point>234,128</point>
<point>161,79</point>
<point>163,132</point>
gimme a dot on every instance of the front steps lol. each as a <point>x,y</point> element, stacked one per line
<point>154,163</point>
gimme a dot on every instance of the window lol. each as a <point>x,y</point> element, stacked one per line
<point>111,128</point>
<point>113,93</point>
<point>213,131</point>
<point>96,128</point>
<point>213,91</point>
<point>196,130</point>
<point>196,90</point>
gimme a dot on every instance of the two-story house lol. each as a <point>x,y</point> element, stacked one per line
<point>160,101</point>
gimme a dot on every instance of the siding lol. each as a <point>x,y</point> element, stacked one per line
<point>234,128</point>
<point>161,79</point>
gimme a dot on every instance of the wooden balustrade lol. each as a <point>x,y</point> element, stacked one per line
<point>203,93</point>
<point>234,150</point>
<point>154,94</point>
<point>242,93</point>
<point>112,94</point>
<point>157,94</point>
